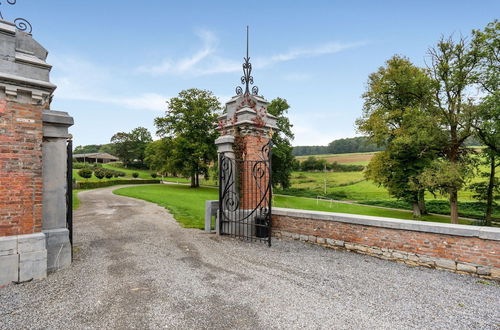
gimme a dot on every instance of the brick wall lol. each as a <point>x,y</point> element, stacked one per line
<point>21,134</point>
<point>253,176</point>
<point>457,252</point>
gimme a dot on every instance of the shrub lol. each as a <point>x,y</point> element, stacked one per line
<point>154,175</point>
<point>99,173</point>
<point>100,184</point>
<point>85,173</point>
<point>121,174</point>
<point>78,165</point>
<point>109,174</point>
<point>135,175</point>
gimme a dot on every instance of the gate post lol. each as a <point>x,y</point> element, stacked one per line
<point>26,126</point>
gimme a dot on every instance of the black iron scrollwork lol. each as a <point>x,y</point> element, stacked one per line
<point>247,78</point>
<point>22,24</point>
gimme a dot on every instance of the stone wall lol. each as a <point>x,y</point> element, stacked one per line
<point>459,248</point>
<point>20,168</point>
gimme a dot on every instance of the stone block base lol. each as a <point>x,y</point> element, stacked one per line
<point>414,259</point>
<point>22,258</point>
<point>58,249</point>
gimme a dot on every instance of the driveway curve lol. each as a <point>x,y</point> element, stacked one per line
<point>135,267</point>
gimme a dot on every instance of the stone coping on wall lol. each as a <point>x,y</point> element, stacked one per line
<point>490,233</point>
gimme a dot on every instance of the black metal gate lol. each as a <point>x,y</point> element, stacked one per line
<point>245,196</point>
<point>69,192</point>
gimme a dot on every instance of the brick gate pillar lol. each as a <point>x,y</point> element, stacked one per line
<point>25,92</point>
<point>248,125</point>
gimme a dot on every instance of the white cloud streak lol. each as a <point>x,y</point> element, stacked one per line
<point>81,80</point>
<point>207,62</point>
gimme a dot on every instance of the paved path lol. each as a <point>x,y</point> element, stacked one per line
<point>136,268</point>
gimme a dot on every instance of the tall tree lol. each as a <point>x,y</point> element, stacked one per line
<point>189,122</point>
<point>453,66</point>
<point>282,157</point>
<point>130,147</point>
<point>487,126</point>
<point>158,156</point>
<point>397,106</point>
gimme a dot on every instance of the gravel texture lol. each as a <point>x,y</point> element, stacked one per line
<point>135,267</point>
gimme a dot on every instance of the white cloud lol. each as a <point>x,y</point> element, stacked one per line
<point>187,64</point>
<point>297,76</point>
<point>206,61</point>
<point>82,80</point>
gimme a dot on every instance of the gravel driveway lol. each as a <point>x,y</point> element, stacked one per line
<point>135,267</point>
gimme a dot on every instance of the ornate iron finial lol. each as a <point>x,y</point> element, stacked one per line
<point>247,78</point>
<point>21,23</point>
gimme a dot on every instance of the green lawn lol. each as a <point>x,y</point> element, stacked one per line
<point>76,201</point>
<point>188,205</point>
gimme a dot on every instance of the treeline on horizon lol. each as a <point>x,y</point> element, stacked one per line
<point>352,145</point>
<point>340,146</point>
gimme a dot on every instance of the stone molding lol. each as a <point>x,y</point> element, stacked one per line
<point>489,233</point>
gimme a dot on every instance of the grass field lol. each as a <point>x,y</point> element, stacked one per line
<point>188,205</point>
<point>362,158</point>
<point>352,186</point>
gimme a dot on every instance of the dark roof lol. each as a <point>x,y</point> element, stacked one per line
<point>99,155</point>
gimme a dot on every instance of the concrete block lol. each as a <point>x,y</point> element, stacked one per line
<point>398,255</point>
<point>413,258</point>
<point>31,243</point>
<point>8,268</point>
<point>349,246</point>
<point>361,248</point>
<point>312,239</point>
<point>466,268</point>
<point>495,273</point>
<point>446,264</point>
<point>32,265</point>
<point>320,240</point>
<point>8,245</point>
<point>375,251</point>
<point>339,243</point>
<point>296,236</point>
<point>303,237</point>
<point>330,241</point>
<point>483,270</point>
<point>58,249</point>
<point>286,234</point>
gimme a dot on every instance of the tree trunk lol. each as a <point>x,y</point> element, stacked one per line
<point>197,180</point>
<point>416,210</point>
<point>489,194</point>
<point>193,181</point>
<point>421,202</point>
<point>454,206</point>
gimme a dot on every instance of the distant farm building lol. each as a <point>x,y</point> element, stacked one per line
<point>96,157</point>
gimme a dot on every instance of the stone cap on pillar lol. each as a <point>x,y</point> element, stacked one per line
<point>247,115</point>
<point>225,144</point>
<point>24,72</point>
<point>56,124</point>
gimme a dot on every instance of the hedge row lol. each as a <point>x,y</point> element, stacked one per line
<point>101,184</point>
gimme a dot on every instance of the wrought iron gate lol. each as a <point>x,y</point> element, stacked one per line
<point>69,193</point>
<point>245,196</point>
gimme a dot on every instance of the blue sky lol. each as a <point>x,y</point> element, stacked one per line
<point>116,62</point>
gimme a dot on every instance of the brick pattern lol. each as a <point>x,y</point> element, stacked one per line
<point>21,135</point>
<point>253,176</point>
<point>456,253</point>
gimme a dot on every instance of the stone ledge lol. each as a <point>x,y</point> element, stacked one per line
<point>488,233</point>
